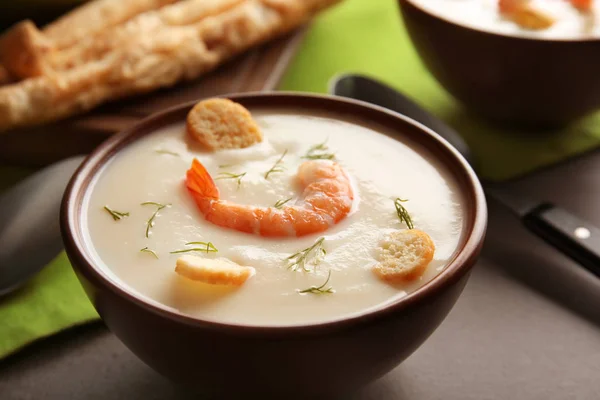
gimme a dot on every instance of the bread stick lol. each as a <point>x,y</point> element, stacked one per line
<point>170,55</point>
<point>161,63</point>
<point>138,28</point>
<point>94,17</point>
<point>24,48</point>
<point>38,54</point>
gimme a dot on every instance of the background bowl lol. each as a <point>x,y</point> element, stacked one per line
<point>509,79</point>
<point>300,361</point>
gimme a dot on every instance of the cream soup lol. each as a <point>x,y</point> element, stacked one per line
<point>381,169</point>
<point>569,23</point>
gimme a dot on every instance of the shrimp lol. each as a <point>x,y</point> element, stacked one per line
<point>524,14</point>
<point>509,6</point>
<point>327,198</point>
<point>583,5</point>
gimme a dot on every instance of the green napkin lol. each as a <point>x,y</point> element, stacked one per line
<point>362,36</point>
<point>51,302</point>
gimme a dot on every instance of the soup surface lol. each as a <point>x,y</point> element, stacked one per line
<point>569,23</point>
<point>382,169</point>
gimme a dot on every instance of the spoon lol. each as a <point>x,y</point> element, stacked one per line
<point>566,232</point>
<point>29,223</point>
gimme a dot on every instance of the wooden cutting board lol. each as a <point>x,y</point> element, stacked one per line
<point>257,70</point>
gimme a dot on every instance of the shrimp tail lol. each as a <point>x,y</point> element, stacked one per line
<point>201,185</point>
<point>510,6</point>
<point>583,5</point>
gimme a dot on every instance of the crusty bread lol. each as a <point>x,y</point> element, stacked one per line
<point>167,56</point>
<point>222,124</point>
<point>95,17</point>
<point>213,271</point>
<point>404,256</point>
<point>24,50</point>
<point>138,29</point>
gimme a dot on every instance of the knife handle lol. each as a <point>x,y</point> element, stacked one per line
<point>568,233</point>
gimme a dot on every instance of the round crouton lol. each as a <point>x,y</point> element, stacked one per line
<point>222,124</point>
<point>404,256</point>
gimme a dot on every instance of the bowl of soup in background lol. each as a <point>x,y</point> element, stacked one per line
<point>267,337</point>
<point>503,72</point>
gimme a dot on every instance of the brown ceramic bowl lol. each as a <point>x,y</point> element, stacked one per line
<point>509,79</point>
<point>300,361</point>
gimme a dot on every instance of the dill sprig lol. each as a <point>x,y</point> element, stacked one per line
<point>300,259</point>
<point>281,203</point>
<point>329,156</point>
<point>319,152</point>
<point>169,152</point>
<point>319,289</point>
<point>229,175</point>
<point>147,250</point>
<point>403,214</point>
<point>277,166</point>
<point>208,247</point>
<point>227,165</point>
<point>116,215</point>
<point>150,222</point>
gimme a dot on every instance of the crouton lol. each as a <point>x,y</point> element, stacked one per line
<point>404,256</point>
<point>213,271</point>
<point>222,124</point>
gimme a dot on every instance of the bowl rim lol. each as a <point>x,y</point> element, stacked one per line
<point>414,4</point>
<point>461,263</point>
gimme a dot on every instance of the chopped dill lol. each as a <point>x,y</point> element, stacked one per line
<point>116,215</point>
<point>319,152</point>
<point>208,247</point>
<point>328,156</point>
<point>169,152</point>
<point>147,250</point>
<point>150,222</point>
<point>229,175</point>
<point>281,203</point>
<point>300,259</point>
<point>153,203</point>
<point>319,289</point>
<point>277,166</point>
<point>403,214</point>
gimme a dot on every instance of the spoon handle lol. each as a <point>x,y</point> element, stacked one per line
<point>29,228</point>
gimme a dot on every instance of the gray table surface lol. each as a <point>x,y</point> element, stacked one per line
<point>526,327</point>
